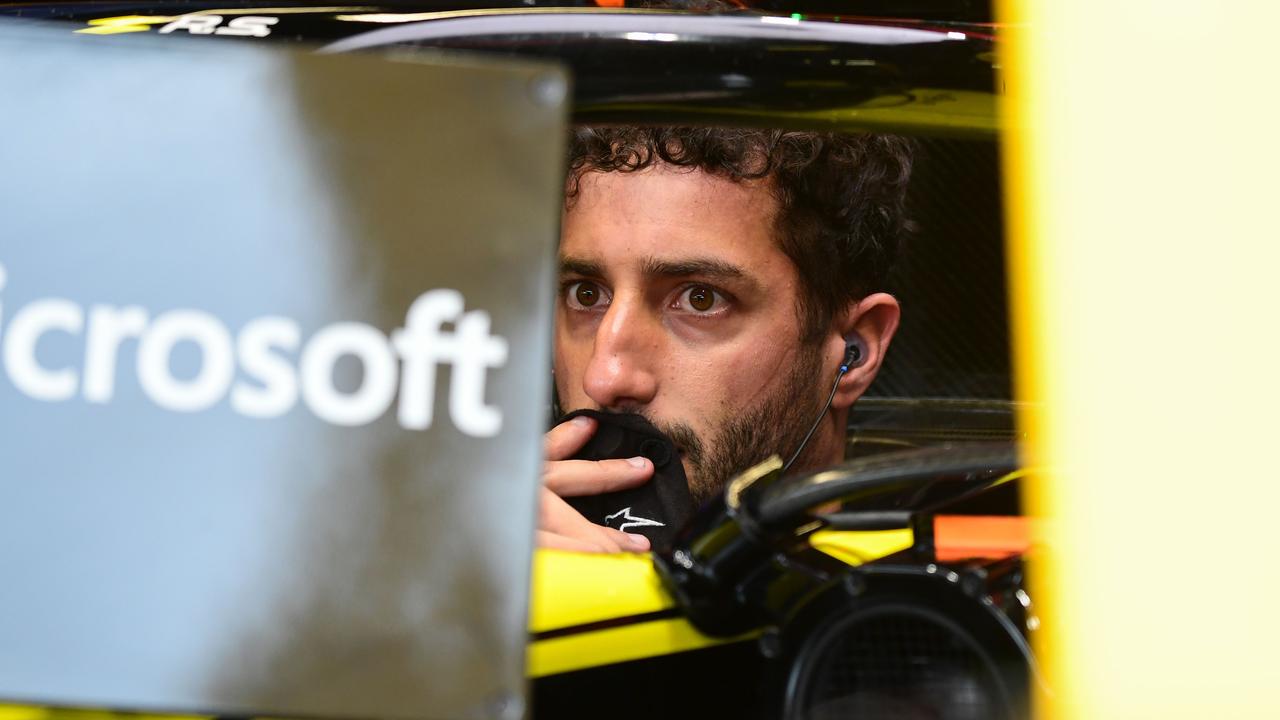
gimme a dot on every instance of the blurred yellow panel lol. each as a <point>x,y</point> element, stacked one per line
<point>1144,190</point>
<point>22,712</point>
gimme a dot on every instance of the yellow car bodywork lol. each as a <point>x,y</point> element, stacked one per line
<point>575,596</point>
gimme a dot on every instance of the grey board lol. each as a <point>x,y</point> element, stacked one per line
<point>180,535</point>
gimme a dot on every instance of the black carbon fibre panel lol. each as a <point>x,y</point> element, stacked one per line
<point>954,337</point>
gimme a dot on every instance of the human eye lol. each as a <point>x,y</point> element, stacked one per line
<point>584,295</point>
<point>701,300</point>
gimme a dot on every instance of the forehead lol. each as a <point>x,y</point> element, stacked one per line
<point>667,212</point>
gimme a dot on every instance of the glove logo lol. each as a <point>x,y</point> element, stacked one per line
<point>626,520</point>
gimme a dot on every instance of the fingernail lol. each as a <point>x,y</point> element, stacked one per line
<point>637,461</point>
<point>582,422</point>
<point>638,541</point>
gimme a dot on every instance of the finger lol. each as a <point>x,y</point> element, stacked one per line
<point>572,478</point>
<point>567,438</point>
<point>614,541</point>
<point>560,542</point>
<point>558,517</point>
<point>629,542</point>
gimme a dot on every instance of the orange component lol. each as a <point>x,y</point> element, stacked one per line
<point>959,537</point>
<point>611,3</point>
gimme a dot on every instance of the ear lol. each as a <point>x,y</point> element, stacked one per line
<point>874,319</point>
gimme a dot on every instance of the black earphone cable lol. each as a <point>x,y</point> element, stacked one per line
<point>818,421</point>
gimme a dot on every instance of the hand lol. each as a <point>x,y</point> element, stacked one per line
<point>562,527</point>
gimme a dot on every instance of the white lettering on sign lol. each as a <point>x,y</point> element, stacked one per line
<point>400,368</point>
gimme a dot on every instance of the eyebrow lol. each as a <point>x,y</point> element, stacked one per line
<point>709,268</point>
<point>578,266</point>
<point>703,267</point>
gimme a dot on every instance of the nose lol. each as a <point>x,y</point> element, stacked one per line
<point>620,373</point>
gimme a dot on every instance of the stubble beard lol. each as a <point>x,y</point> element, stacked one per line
<point>776,424</point>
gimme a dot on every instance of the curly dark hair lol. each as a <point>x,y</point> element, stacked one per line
<point>840,197</point>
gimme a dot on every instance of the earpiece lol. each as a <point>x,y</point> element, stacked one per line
<point>855,352</point>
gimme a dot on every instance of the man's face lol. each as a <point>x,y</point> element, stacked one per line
<point>677,302</point>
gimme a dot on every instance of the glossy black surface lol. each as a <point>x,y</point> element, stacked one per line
<point>911,480</point>
<point>735,69</point>
<point>893,640</point>
<point>724,69</point>
<point>746,562</point>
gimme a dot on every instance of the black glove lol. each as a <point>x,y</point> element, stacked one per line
<point>656,509</point>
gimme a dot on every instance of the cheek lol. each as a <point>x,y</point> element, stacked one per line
<point>724,383</point>
<point>769,356</point>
